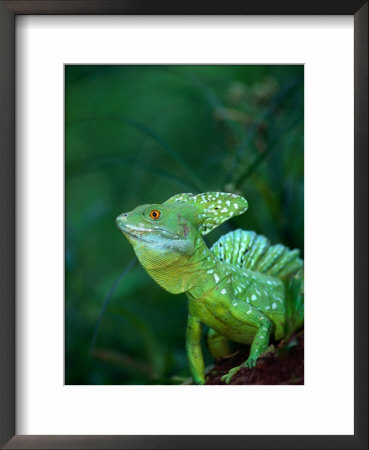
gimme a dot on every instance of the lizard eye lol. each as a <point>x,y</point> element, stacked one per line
<point>154,214</point>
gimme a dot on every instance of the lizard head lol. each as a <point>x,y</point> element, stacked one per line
<point>159,233</point>
<point>157,225</point>
<point>174,226</point>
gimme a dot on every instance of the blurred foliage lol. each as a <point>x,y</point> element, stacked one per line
<point>140,134</point>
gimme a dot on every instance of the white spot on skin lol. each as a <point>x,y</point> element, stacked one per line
<point>249,311</point>
<point>267,307</point>
<point>228,203</point>
<point>235,205</point>
<point>253,297</point>
<point>223,291</point>
<point>224,210</point>
<point>219,201</point>
<point>216,278</point>
<point>274,305</point>
<point>269,282</point>
<point>235,304</point>
<point>210,271</point>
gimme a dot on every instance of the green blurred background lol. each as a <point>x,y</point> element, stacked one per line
<point>140,134</point>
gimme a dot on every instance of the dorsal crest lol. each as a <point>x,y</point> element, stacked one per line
<point>214,208</point>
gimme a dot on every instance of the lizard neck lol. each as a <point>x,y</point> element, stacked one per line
<point>214,273</point>
<point>182,272</point>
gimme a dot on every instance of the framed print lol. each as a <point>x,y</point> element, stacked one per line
<point>169,88</point>
<point>166,122</point>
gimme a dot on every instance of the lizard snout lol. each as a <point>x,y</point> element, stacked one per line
<point>121,221</point>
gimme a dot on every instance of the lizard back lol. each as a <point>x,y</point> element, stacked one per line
<point>248,250</point>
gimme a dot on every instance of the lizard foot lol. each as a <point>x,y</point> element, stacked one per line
<point>228,376</point>
<point>250,364</point>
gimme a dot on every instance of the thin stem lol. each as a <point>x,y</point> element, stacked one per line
<point>106,302</point>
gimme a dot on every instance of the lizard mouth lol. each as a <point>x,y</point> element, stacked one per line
<point>143,234</point>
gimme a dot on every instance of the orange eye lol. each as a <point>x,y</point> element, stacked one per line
<point>155,214</point>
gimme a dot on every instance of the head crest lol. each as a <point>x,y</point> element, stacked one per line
<point>214,207</point>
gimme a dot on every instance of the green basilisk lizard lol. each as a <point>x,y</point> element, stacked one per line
<point>240,288</point>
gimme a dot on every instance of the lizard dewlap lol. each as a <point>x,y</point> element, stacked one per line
<point>238,288</point>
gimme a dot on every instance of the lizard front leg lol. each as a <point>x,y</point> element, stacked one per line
<point>193,349</point>
<point>248,315</point>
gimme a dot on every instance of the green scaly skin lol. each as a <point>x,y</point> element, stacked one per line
<point>226,287</point>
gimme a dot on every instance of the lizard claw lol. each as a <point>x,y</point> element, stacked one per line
<point>250,363</point>
<point>227,377</point>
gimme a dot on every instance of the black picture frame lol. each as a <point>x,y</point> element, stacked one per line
<point>8,12</point>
